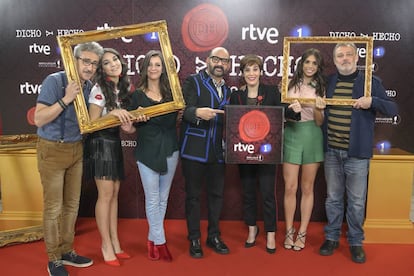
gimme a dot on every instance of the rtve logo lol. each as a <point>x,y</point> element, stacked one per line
<point>39,49</point>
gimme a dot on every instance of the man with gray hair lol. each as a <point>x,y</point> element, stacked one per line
<point>348,143</point>
<point>60,155</point>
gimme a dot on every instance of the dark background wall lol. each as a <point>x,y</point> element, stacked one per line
<point>29,52</point>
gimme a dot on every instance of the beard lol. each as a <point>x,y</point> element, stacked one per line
<point>217,73</point>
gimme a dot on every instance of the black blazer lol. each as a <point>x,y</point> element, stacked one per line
<point>267,95</point>
<point>202,140</point>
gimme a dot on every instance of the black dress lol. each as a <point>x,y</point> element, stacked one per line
<point>103,155</point>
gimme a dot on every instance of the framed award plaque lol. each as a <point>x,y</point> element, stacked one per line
<point>254,134</point>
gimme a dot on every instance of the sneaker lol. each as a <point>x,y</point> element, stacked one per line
<point>76,260</point>
<point>56,268</point>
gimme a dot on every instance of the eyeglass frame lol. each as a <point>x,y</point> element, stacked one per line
<point>216,59</point>
<point>88,62</point>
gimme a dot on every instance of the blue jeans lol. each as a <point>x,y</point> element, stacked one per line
<point>157,189</point>
<point>345,175</point>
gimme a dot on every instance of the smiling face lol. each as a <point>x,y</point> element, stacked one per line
<point>111,65</point>
<point>310,67</point>
<point>218,63</point>
<point>251,74</point>
<point>154,69</point>
<point>87,63</point>
<point>345,59</point>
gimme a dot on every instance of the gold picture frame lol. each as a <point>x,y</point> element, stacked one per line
<point>368,41</point>
<point>66,42</point>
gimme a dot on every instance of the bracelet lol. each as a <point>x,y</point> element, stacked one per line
<point>62,104</point>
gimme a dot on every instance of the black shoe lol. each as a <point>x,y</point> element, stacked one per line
<point>56,268</point>
<point>253,243</point>
<point>270,250</point>
<point>328,247</point>
<point>357,254</point>
<point>195,249</point>
<point>218,245</point>
<point>73,259</point>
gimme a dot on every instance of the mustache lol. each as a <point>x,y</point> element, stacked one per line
<point>88,71</point>
<point>218,66</point>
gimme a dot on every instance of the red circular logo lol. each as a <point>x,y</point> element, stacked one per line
<point>254,126</point>
<point>204,27</point>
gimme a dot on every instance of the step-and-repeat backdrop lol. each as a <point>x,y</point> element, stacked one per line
<point>29,52</point>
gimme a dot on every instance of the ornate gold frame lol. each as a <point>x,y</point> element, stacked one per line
<point>67,41</point>
<point>30,225</point>
<point>21,235</point>
<point>323,39</point>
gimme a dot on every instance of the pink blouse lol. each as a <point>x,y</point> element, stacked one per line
<point>304,91</point>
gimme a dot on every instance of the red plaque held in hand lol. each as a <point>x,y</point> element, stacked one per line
<point>254,134</point>
<point>254,126</point>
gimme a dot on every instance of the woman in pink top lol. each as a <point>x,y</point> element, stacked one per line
<point>303,144</point>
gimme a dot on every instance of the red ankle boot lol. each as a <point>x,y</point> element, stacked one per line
<point>164,253</point>
<point>153,253</point>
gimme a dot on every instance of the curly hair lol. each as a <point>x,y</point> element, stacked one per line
<point>318,77</point>
<point>164,82</point>
<point>108,86</point>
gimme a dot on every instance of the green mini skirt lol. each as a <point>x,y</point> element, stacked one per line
<point>302,143</point>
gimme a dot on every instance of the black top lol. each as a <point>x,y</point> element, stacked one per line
<point>267,95</point>
<point>156,138</point>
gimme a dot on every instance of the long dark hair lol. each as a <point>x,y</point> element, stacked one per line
<point>318,79</point>
<point>165,89</point>
<point>108,86</point>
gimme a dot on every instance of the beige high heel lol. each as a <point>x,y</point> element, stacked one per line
<point>289,242</point>
<point>301,238</point>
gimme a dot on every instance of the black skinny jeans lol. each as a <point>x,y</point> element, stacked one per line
<point>265,175</point>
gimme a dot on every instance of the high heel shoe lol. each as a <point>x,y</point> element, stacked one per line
<point>301,238</point>
<point>289,242</point>
<point>253,243</point>
<point>122,255</point>
<point>268,249</point>
<point>153,253</point>
<point>114,262</point>
<point>164,253</point>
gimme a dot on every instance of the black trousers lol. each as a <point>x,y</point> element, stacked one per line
<point>195,174</point>
<point>264,174</point>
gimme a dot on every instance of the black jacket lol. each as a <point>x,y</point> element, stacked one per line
<point>202,140</point>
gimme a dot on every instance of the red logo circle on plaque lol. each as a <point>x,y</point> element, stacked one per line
<point>204,27</point>
<point>254,126</point>
<point>30,116</point>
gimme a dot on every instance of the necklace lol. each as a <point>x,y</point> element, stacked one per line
<point>154,95</point>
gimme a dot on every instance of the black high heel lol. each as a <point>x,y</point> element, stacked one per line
<point>253,243</point>
<point>270,250</point>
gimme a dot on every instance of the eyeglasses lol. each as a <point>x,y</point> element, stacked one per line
<point>88,62</point>
<point>224,61</point>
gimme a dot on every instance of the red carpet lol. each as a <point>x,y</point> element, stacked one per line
<point>30,259</point>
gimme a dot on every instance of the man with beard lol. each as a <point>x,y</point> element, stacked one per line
<point>349,136</point>
<point>201,148</point>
